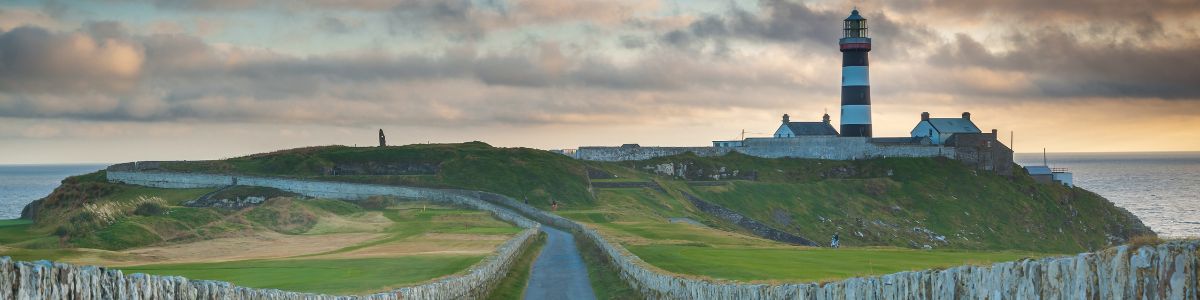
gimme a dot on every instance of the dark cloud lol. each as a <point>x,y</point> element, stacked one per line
<point>418,17</point>
<point>632,42</point>
<point>181,77</point>
<point>104,72</point>
<point>791,22</point>
<point>1060,64</point>
<point>337,25</point>
<point>208,4</point>
<point>35,60</point>
<point>102,30</point>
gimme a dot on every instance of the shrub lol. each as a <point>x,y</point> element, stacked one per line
<point>62,231</point>
<point>150,209</point>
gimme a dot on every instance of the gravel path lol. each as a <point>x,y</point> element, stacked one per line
<point>559,272</point>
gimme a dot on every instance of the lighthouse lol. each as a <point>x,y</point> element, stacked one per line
<point>856,87</point>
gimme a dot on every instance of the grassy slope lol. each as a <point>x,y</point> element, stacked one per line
<point>637,219</point>
<point>808,264</point>
<point>309,273</point>
<point>921,200</point>
<point>885,199</point>
<point>971,209</point>
<point>518,172</point>
<point>334,276</point>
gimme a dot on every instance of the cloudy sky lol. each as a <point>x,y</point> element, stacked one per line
<point>121,80</point>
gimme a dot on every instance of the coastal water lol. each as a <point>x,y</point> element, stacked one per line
<point>1162,188</point>
<point>20,184</point>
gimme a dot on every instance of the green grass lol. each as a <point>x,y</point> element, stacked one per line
<point>606,282</point>
<point>14,231</point>
<point>337,207</point>
<point>873,202</point>
<point>15,222</point>
<point>807,265</point>
<point>120,235</point>
<point>637,218</point>
<point>417,218</point>
<point>514,283</point>
<point>516,172</point>
<point>331,276</point>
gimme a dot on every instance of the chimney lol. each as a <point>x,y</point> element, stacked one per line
<point>925,116</point>
<point>786,119</point>
<point>967,115</point>
<point>825,118</point>
<point>994,133</point>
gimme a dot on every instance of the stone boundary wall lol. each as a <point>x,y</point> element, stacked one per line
<point>814,147</point>
<point>642,153</point>
<point>1167,271</point>
<point>46,280</point>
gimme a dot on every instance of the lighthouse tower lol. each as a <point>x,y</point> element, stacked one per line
<point>856,87</point>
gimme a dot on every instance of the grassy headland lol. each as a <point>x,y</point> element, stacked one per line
<point>883,209</point>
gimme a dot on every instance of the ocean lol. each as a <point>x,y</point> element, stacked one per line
<point>21,184</point>
<point>1161,188</point>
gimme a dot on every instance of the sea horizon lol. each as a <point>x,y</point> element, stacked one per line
<point>1157,186</point>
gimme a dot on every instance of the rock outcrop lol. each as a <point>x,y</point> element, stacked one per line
<point>754,226</point>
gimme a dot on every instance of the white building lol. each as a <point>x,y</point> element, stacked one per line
<point>939,130</point>
<point>796,129</point>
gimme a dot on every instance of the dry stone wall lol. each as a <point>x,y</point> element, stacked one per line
<point>46,280</point>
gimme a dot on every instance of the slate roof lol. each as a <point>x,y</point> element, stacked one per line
<point>1038,170</point>
<point>954,125</point>
<point>811,128</point>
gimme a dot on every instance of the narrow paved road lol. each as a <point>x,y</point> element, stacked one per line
<point>559,271</point>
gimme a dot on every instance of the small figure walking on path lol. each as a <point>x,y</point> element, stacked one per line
<point>835,243</point>
<point>553,205</point>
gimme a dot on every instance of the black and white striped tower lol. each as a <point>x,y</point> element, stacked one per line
<point>856,84</point>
